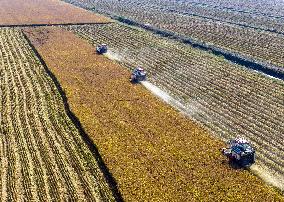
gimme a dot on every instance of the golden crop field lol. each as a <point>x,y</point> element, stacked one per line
<point>153,152</point>
<point>74,128</point>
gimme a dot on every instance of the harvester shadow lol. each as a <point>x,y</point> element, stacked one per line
<point>233,164</point>
<point>91,145</point>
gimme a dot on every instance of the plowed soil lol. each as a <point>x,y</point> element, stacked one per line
<point>153,152</point>
<point>27,12</point>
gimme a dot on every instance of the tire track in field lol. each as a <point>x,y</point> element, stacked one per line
<point>37,163</point>
<point>1,121</point>
<point>55,140</point>
<point>3,126</point>
<point>52,171</point>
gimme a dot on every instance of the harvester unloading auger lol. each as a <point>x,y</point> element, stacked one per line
<point>240,151</point>
<point>138,75</point>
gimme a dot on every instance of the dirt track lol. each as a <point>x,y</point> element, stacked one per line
<point>43,156</point>
<point>28,12</point>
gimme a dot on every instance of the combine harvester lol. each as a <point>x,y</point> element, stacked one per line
<point>240,152</point>
<point>101,49</point>
<point>138,75</point>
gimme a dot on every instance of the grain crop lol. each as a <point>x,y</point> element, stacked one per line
<point>153,152</point>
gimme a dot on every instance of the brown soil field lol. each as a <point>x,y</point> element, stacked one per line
<point>152,151</point>
<point>17,12</point>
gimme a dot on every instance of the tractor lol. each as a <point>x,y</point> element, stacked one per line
<point>138,75</point>
<point>101,49</point>
<point>240,151</point>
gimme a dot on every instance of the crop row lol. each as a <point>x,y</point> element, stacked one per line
<point>270,9</point>
<point>44,157</point>
<point>225,97</point>
<point>249,43</point>
<point>260,7</point>
<point>222,14</point>
<point>203,10</point>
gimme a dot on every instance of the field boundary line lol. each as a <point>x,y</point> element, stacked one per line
<point>93,148</point>
<point>53,24</point>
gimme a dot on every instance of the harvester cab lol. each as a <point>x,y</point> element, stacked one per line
<point>138,75</point>
<point>101,49</point>
<point>240,151</point>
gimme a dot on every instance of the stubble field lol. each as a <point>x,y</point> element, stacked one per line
<point>253,44</point>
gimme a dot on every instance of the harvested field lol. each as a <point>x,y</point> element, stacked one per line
<point>262,14</point>
<point>42,154</point>
<point>273,9</point>
<point>248,43</point>
<point>230,100</point>
<point>28,12</point>
<point>153,152</point>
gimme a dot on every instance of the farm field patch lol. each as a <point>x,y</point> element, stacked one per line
<point>273,9</point>
<point>258,14</point>
<point>225,13</point>
<point>28,12</point>
<point>43,156</point>
<point>255,45</point>
<point>228,99</point>
<point>152,151</point>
